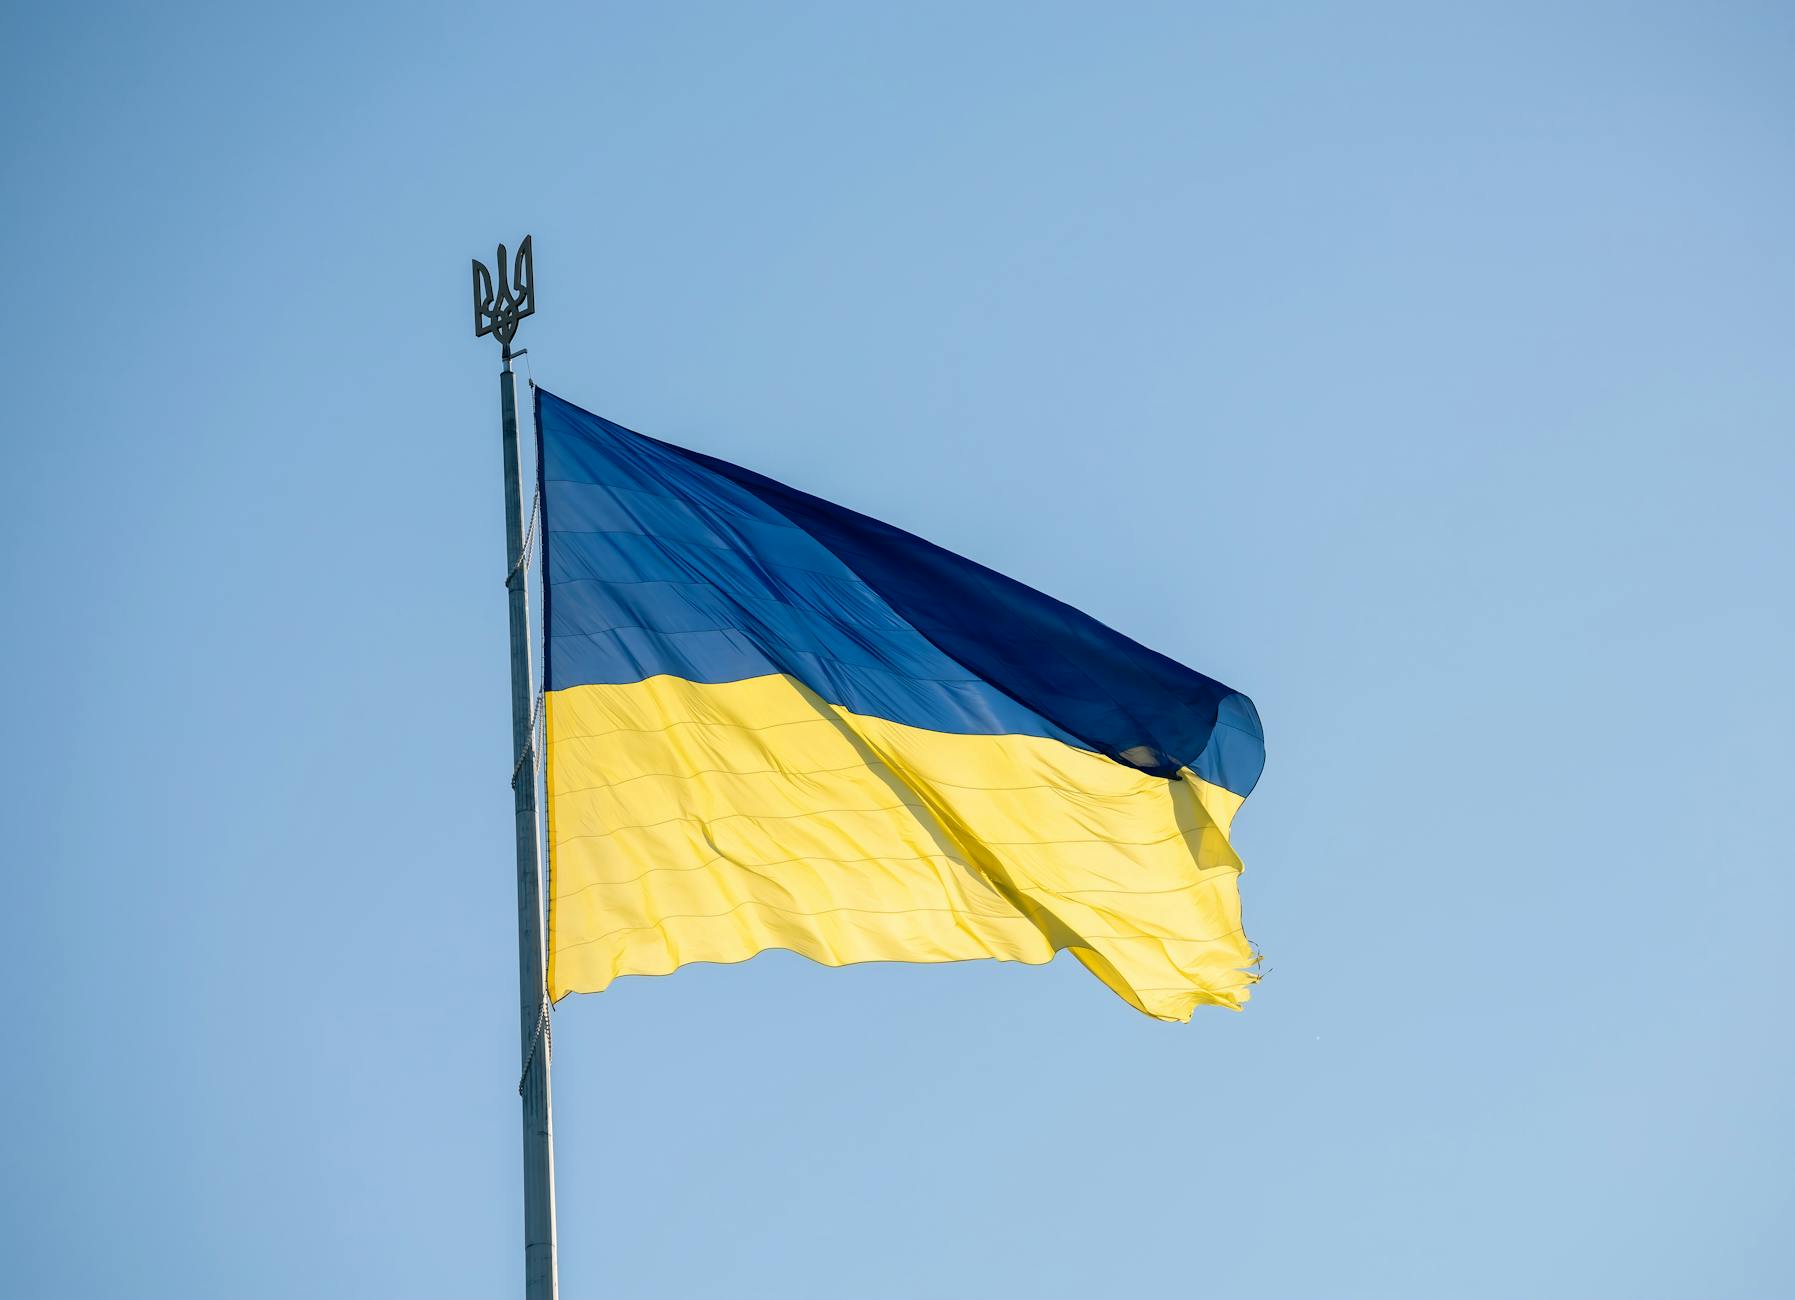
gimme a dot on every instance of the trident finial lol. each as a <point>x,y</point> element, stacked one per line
<point>498,311</point>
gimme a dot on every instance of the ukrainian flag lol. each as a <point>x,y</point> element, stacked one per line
<point>772,722</point>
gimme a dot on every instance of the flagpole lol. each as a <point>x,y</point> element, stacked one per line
<point>497,311</point>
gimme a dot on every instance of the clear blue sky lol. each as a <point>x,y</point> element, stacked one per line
<point>1424,371</point>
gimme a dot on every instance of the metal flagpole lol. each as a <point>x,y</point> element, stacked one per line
<point>497,311</point>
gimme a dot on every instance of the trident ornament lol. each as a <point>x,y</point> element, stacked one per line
<point>498,311</point>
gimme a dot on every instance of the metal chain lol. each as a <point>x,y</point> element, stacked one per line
<point>529,541</point>
<point>529,750</point>
<point>542,1038</point>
